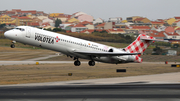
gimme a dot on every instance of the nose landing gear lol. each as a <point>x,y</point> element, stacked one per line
<point>13,44</point>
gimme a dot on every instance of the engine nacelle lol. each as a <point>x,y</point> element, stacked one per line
<point>123,58</point>
<point>130,58</point>
<point>126,58</point>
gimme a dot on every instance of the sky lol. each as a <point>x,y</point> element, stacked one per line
<point>152,9</point>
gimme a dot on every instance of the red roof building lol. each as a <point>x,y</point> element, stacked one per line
<point>17,10</point>
<point>178,28</point>
<point>87,31</point>
<point>177,18</point>
<point>138,19</point>
<point>172,35</point>
<point>72,25</point>
<point>115,31</point>
<point>86,23</point>
<point>158,35</point>
<point>141,20</point>
<point>23,21</point>
<point>79,25</point>
<point>24,17</point>
<point>34,24</point>
<point>147,32</point>
<point>157,22</point>
<point>33,12</point>
<point>100,26</point>
<point>78,28</point>
<point>10,12</point>
<point>169,29</point>
<point>140,27</point>
<point>14,16</point>
<point>177,21</point>
<point>45,24</point>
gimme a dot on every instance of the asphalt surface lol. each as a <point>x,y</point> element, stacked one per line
<point>158,87</point>
<point>33,61</point>
<point>148,92</point>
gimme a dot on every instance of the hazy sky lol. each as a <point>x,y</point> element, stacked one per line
<point>152,9</point>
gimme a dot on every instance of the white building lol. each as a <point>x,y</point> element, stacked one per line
<point>98,20</point>
<point>78,28</point>
<point>115,19</point>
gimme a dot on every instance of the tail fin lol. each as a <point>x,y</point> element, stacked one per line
<point>140,44</point>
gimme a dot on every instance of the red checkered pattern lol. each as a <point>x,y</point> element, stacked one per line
<point>139,46</point>
<point>137,59</point>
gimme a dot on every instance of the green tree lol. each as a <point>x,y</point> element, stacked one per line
<point>2,25</point>
<point>57,29</point>
<point>49,29</point>
<point>57,22</point>
<point>157,51</point>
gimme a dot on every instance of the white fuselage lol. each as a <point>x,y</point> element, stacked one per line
<point>65,44</point>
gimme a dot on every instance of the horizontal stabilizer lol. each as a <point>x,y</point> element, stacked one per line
<point>145,38</point>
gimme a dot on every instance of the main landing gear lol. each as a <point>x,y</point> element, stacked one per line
<point>91,63</point>
<point>77,62</point>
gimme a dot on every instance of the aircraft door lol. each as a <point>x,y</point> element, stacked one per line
<point>28,32</point>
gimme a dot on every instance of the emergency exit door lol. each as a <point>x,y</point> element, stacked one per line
<point>28,33</point>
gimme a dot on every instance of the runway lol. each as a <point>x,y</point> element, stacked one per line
<point>148,92</point>
<point>33,62</point>
<point>48,62</point>
<point>158,87</point>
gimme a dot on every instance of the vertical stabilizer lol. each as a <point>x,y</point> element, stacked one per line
<point>140,44</point>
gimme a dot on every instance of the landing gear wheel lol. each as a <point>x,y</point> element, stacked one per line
<point>12,45</point>
<point>77,63</point>
<point>91,63</point>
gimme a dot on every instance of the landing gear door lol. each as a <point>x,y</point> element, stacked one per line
<point>28,32</point>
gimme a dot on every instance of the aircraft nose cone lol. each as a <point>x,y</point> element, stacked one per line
<point>8,34</point>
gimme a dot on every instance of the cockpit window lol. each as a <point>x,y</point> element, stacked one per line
<point>21,29</point>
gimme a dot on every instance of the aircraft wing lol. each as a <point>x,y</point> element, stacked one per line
<point>105,53</point>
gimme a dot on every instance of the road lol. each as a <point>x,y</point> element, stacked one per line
<point>148,92</point>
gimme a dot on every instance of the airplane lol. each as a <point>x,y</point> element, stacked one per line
<point>78,48</point>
